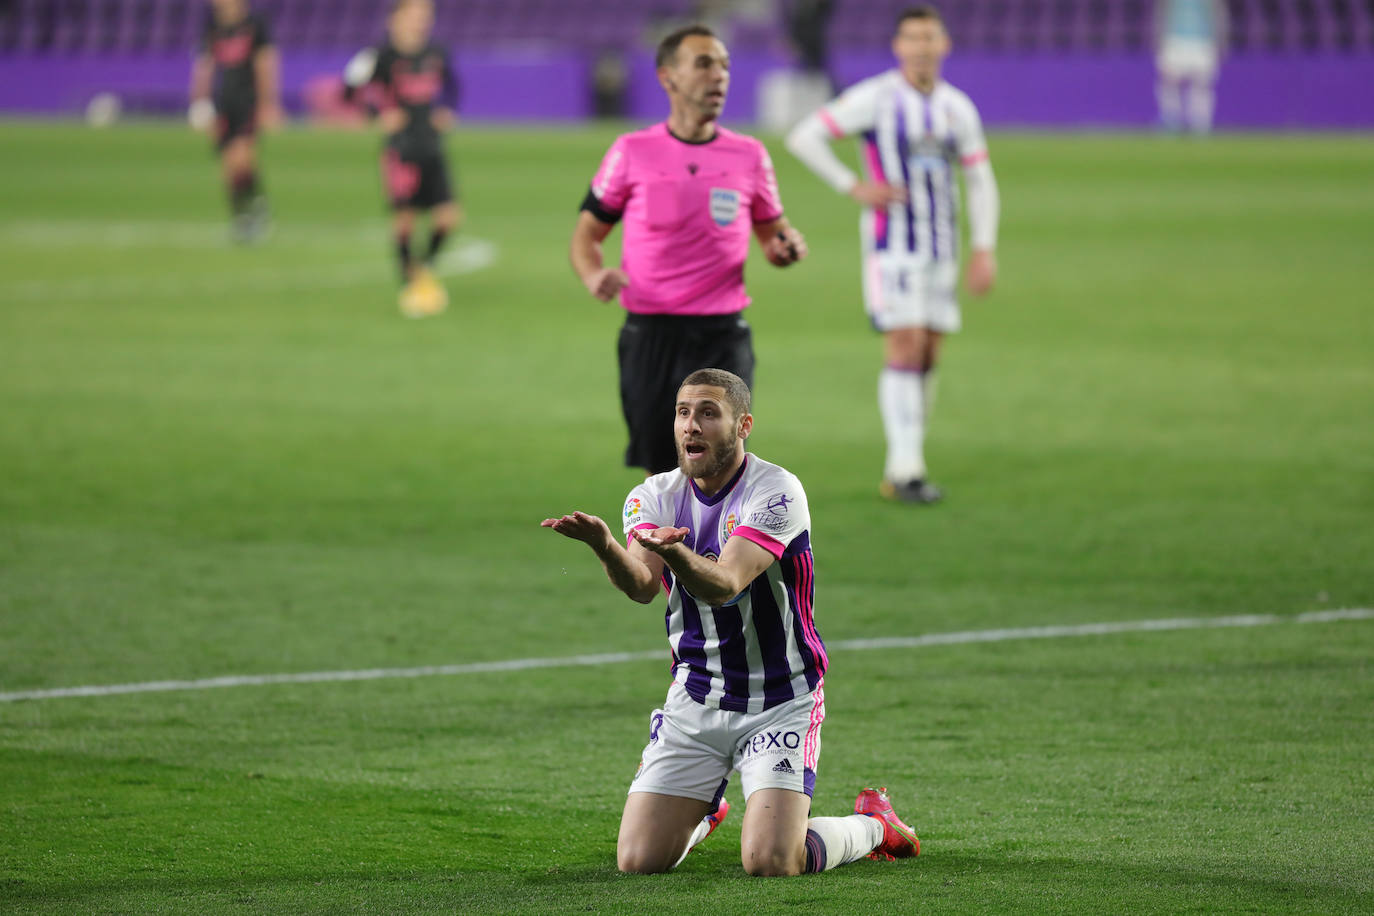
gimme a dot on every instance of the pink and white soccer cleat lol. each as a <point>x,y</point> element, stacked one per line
<point>899,840</point>
<point>716,816</point>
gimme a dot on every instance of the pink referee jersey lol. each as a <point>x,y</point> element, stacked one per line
<point>689,210</point>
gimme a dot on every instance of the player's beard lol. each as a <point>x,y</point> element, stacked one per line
<point>720,455</point>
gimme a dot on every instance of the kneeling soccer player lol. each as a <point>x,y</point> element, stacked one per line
<point>420,95</point>
<point>728,534</point>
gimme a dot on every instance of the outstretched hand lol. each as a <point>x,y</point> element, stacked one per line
<point>660,539</point>
<point>580,527</point>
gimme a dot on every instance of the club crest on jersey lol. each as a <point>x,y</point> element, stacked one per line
<point>724,205</point>
<point>731,523</point>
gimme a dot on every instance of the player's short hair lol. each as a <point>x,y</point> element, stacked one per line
<point>398,5</point>
<point>924,11</point>
<point>667,48</point>
<point>736,391</point>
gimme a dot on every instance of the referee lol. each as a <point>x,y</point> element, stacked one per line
<point>690,194</point>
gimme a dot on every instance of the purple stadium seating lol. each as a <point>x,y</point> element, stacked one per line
<point>1019,26</point>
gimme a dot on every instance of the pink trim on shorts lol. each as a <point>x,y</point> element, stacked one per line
<point>772,545</point>
<point>874,278</point>
<point>811,746</point>
<point>974,158</point>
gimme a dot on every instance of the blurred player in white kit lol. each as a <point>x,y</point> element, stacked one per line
<point>915,129</point>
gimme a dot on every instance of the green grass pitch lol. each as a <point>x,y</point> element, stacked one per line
<point>236,461</point>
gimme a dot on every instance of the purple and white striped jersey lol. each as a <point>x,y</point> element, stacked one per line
<point>762,648</point>
<point>912,140</point>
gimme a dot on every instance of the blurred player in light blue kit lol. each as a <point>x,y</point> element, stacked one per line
<point>1190,38</point>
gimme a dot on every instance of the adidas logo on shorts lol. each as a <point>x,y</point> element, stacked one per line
<point>784,766</point>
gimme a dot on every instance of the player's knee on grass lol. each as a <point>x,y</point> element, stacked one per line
<point>641,858</point>
<point>773,859</point>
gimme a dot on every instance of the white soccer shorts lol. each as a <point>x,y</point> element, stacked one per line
<point>1188,59</point>
<point>900,293</point>
<point>692,748</point>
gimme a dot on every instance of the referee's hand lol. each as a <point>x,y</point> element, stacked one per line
<point>786,247</point>
<point>606,283</point>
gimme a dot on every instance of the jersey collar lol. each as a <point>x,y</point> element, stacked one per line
<point>712,139</point>
<point>723,491</point>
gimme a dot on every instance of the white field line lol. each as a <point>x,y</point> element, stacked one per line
<point>465,256</point>
<point>181,234</point>
<point>615,658</point>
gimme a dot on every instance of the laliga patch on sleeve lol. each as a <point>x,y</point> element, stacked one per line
<point>724,205</point>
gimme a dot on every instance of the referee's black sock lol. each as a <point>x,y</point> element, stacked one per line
<point>436,241</point>
<point>403,255</point>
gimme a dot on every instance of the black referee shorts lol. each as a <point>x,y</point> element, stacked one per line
<point>656,353</point>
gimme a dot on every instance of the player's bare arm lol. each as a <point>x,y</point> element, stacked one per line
<point>443,119</point>
<point>605,283</point>
<point>716,582</point>
<point>783,244</point>
<point>984,208</point>
<point>393,120</point>
<point>267,72</point>
<point>201,114</point>
<point>635,571</point>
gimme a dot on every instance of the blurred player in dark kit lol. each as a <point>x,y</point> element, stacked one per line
<point>235,88</point>
<point>417,95</point>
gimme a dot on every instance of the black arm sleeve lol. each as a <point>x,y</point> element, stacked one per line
<point>594,207</point>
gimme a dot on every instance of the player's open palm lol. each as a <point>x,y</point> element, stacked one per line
<point>660,539</point>
<point>580,527</point>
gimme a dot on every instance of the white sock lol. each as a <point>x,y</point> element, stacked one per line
<point>900,402</point>
<point>835,841</point>
<point>1201,103</point>
<point>928,388</point>
<point>698,835</point>
<point>1169,92</point>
